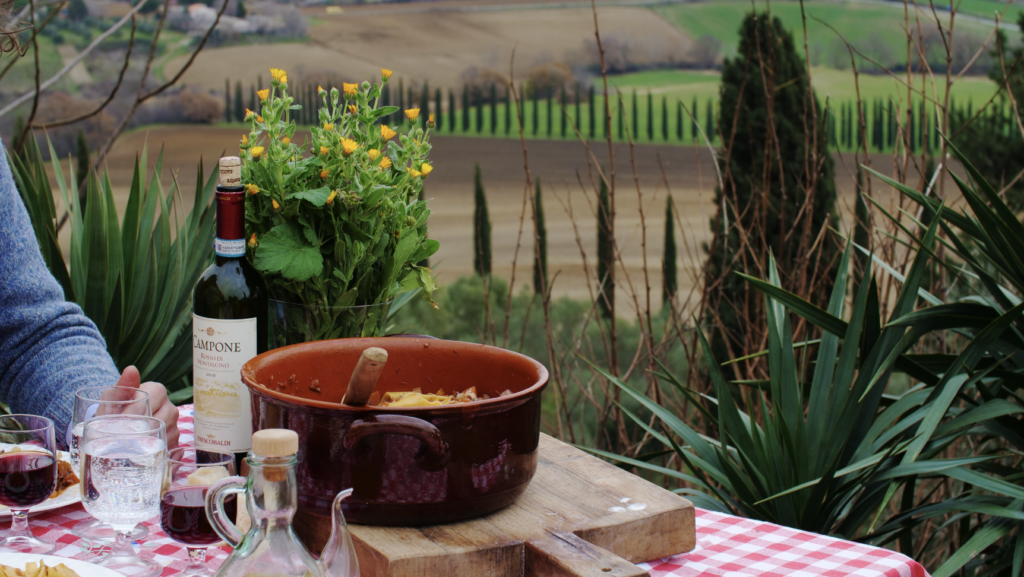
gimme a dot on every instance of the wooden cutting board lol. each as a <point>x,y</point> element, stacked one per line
<point>579,516</point>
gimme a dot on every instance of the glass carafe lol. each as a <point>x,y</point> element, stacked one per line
<point>270,548</point>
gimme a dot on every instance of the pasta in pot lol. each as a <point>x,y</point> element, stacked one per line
<point>417,398</point>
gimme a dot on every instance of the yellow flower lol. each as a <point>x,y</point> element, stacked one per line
<point>324,150</point>
<point>386,163</point>
<point>257,151</point>
<point>320,91</point>
<point>415,173</point>
<point>245,139</point>
<point>259,119</point>
<point>279,75</point>
<point>328,126</point>
<point>412,114</point>
<point>252,188</point>
<point>385,74</point>
<point>324,173</point>
<point>349,89</point>
<point>352,108</point>
<point>426,169</point>
<point>430,120</point>
<point>386,133</point>
<point>249,114</point>
<point>276,206</point>
<point>263,94</point>
<point>348,146</point>
<point>373,153</point>
<point>252,241</point>
<point>330,199</point>
<point>285,140</point>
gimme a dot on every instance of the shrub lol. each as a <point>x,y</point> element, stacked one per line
<point>201,107</point>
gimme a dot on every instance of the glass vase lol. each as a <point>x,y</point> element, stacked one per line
<point>293,323</point>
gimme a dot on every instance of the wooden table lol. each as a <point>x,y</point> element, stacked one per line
<point>727,546</point>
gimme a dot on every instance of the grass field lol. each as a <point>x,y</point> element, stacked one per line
<point>986,9</point>
<point>874,28</point>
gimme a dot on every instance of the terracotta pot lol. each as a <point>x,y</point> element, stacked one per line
<point>407,466</point>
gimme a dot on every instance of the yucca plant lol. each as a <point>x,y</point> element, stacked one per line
<point>986,247</point>
<point>830,446</point>
<point>132,277</point>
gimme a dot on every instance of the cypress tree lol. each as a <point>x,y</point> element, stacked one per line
<point>861,233</point>
<point>605,253</point>
<point>756,178</point>
<point>227,101</point>
<point>82,155</point>
<point>664,119</point>
<point>579,117</point>
<point>892,125</point>
<point>438,116</point>
<point>508,109</point>
<point>385,98</point>
<point>465,109</point>
<point>650,116</point>
<point>253,103</point>
<point>622,113</point>
<point>239,105</point>
<point>592,111</point>
<point>710,113</point>
<point>693,120</point>
<point>540,254</point>
<point>401,102</point>
<point>478,103</point>
<point>636,117</point>
<point>551,116</point>
<point>481,228</point>
<point>565,108</point>
<point>679,121</point>
<point>424,105</point>
<point>669,277</point>
<point>536,111</point>
<point>452,115</point>
<point>494,108</point>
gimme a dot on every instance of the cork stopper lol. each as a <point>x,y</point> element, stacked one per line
<point>275,443</point>
<point>230,171</point>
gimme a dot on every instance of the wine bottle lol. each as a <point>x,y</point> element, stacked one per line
<point>229,326</point>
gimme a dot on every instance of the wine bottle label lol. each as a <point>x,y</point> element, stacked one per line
<point>222,410</point>
<point>231,248</point>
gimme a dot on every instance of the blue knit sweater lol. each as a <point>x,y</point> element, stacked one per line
<point>48,347</point>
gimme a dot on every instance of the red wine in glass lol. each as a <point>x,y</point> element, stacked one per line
<point>26,479</point>
<point>183,515</point>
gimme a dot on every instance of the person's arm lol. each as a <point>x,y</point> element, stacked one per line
<point>48,347</point>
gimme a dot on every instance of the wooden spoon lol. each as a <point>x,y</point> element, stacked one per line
<point>364,377</point>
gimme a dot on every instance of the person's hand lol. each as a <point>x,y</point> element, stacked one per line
<point>159,404</point>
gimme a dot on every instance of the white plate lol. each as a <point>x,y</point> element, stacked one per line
<point>70,496</point>
<point>83,568</point>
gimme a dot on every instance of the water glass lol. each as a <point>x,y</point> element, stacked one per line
<point>97,402</point>
<point>124,459</point>
<point>183,507</point>
<point>28,476</point>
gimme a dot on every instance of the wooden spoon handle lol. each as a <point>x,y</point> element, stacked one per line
<point>364,377</point>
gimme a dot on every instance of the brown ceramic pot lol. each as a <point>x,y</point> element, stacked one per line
<point>407,466</point>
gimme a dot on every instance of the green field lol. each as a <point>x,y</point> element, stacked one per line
<point>876,29</point>
<point>987,9</point>
<point>836,85</point>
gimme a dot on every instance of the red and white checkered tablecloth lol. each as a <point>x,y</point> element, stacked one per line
<point>727,546</point>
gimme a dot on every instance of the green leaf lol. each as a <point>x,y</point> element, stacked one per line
<point>316,197</point>
<point>284,250</point>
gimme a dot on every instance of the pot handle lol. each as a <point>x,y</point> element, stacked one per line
<point>434,454</point>
<point>215,496</point>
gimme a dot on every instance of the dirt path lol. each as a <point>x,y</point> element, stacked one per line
<point>689,175</point>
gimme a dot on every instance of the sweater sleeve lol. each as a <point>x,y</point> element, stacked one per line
<point>48,347</point>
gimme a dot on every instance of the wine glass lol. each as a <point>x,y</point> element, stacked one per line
<point>99,401</point>
<point>124,458</point>
<point>28,476</point>
<point>183,506</point>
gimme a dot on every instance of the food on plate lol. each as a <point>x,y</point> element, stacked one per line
<point>417,398</point>
<point>37,570</point>
<point>65,475</point>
